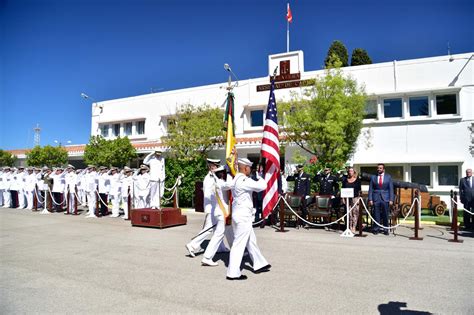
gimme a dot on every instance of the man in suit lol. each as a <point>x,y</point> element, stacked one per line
<point>302,188</point>
<point>381,197</point>
<point>466,192</point>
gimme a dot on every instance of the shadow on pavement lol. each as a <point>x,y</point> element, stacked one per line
<point>392,308</point>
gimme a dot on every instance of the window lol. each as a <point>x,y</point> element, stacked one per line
<point>116,130</point>
<point>446,104</point>
<point>104,131</point>
<point>127,129</point>
<point>419,106</point>
<point>420,174</point>
<point>256,118</point>
<point>141,127</point>
<point>448,175</point>
<point>392,107</point>
<point>370,110</point>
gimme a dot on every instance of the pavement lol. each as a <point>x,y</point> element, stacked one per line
<point>55,263</point>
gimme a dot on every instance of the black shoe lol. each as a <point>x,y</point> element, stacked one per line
<point>385,233</point>
<point>263,269</point>
<point>242,277</point>
<point>375,232</point>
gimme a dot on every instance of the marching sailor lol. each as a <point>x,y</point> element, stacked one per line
<point>157,177</point>
<point>215,197</point>
<point>242,217</point>
<point>210,203</point>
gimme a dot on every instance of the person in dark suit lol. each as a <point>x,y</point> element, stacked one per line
<point>381,197</point>
<point>302,188</point>
<point>466,192</point>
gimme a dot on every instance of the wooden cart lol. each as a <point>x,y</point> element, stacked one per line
<point>404,200</point>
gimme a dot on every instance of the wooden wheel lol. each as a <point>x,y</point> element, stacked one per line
<point>405,208</point>
<point>439,210</point>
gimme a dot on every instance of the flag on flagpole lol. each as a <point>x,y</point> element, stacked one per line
<point>230,151</point>
<point>289,17</point>
<point>271,151</point>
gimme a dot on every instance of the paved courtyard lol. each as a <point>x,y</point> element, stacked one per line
<point>62,264</point>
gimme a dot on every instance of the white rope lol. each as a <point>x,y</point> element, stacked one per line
<point>390,227</point>
<point>139,188</point>
<point>464,209</point>
<point>177,183</point>
<point>319,224</point>
<point>276,204</point>
<point>57,204</point>
<point>100,198</point>
<point>172,195</point>
<point>38,196</point>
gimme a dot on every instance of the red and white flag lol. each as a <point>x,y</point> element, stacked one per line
<point>289,17</point>
<point>271,152</point>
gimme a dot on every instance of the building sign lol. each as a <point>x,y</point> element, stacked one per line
<point>285,79</point>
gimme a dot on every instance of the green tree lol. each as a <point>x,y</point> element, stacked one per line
<point>6,158</point>
<point>117,152</point>
<point>327,120</point>
<point>337,50</point>
<point>47,156</point>
<point>360,57</point>
<point>193,131</point>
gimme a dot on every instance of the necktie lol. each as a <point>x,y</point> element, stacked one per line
<point>380,181</point>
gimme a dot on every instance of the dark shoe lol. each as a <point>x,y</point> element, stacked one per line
<point>385,233</point>
<point>263,269</point>
<point>65,213</point>
<point>242,277</point>
<point>375,232</point>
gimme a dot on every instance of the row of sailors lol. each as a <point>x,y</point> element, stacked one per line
<point>18,187</point>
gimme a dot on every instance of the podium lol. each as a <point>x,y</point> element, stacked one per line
<point>163,218</point>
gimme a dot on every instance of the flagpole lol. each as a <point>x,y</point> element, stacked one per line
<point>287,30</point>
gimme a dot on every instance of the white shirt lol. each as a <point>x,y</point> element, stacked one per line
<point>90,181</point>
<point>126,182</point>
<point>115,184</point>
<point>30,182</point>
<point>142,187</point>
<point>209,186</point>
<point>104,183</point>
<point>58,181</point>
<point>157,167</point>
<point>71,181</point>
<point>242,189</point>
<point>6,178</point>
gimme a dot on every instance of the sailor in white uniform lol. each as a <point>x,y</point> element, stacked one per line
<point>30,185</point>
<point>217,196</point>
<point>242,217</point>
<point>71,185</point>
<point>156,163</point>
<point>210,203</point>
<point>126,190</point>
<point>90,182</point>
<point>6,177</point>
<point>142,187</point>
<point>114,192</point>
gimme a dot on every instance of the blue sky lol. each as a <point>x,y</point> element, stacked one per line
<point>51,51</point>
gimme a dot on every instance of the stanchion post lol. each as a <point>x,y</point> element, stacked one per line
<point>129,204</point>
<point>282,216</point>
<point>68,202</point>
<point>359,220</point>
<point>455,219</point>
<point>97,211</point>
<point>175,202</point>
<point>50,205</point>
<point>35,198</point>
<point>417,218</point>
<point>75,201</point>
<point>452,210</point>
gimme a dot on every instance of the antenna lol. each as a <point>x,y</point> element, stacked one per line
<point>37,135</point>
<point>449,53</point>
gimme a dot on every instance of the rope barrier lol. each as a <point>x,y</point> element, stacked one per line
<point>389,227</point>
<point>57,204</point>
<point>100,198</point>
<point>169,199</point>
<point>177,183</point>
<point>318,224</point>
<point>38,196</point>
<point>139,188</point>
<point>464,209</point>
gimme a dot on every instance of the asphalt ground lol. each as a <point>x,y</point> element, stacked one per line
<point>55,263</point>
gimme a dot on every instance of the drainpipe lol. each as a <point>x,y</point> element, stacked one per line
<point>395,75</point>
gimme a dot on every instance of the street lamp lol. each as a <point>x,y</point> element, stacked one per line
<point>229,69</point>
<point>85,96</point>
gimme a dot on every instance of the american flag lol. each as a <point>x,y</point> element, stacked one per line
<point>271,151</point>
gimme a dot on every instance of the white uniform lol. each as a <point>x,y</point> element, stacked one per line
<point>114,194</point>
<point>91,181</point>
<point>126,188</point>
<point>19,185</point>
<point>30,185</point>
<point>142,190</point>
<point>2,188</point>
<point>242,218</point>
<point>71,184</point>
<point>80,188</point>
<point>7,177</point>
<point>59,185</point>
<point>157,178</point>
<point>210,200</point>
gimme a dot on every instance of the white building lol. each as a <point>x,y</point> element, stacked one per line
<point>419,118</point>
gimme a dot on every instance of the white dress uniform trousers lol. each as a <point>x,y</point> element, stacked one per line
<point>242,217</point>
<point>157,178</point>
